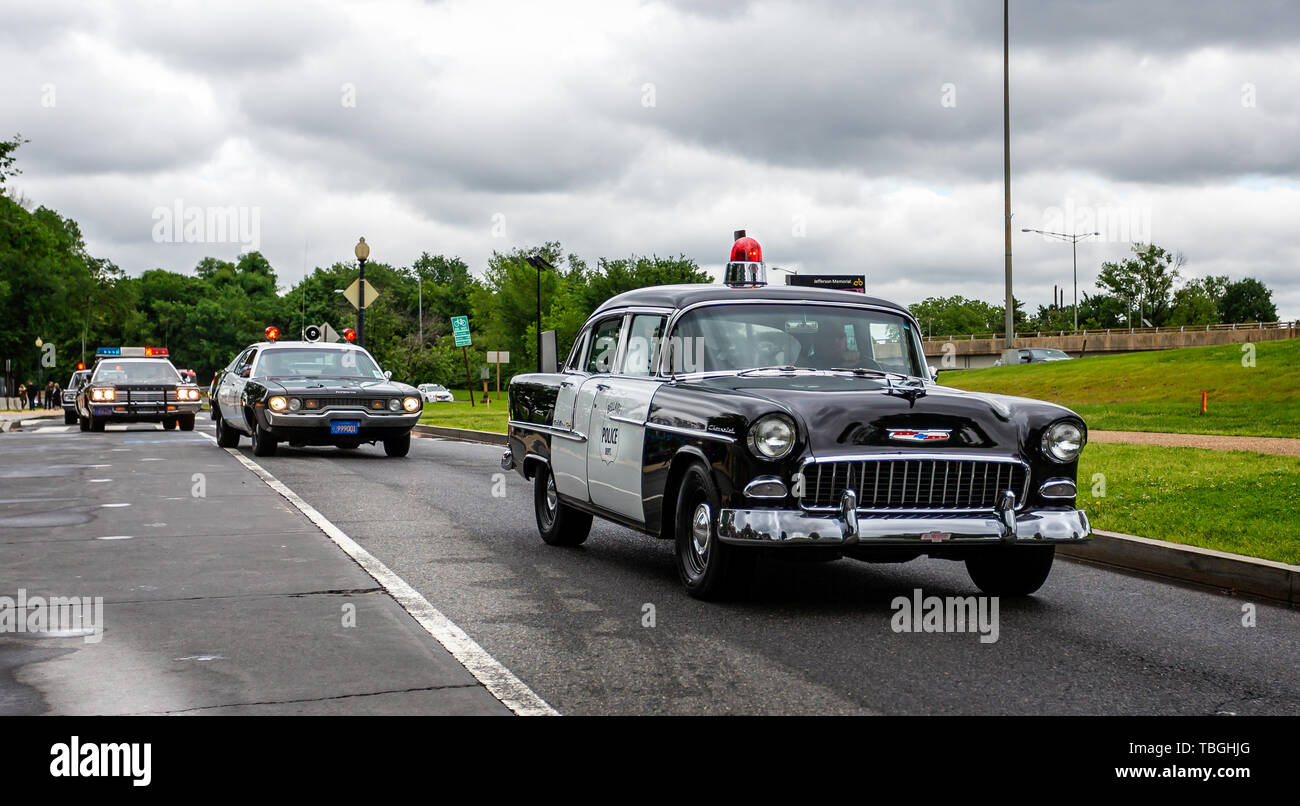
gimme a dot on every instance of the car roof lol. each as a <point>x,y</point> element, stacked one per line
<point>305,344</point>
<point>685,294</point>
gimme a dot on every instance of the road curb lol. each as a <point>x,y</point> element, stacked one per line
<point>462,434</point>
<point>1217,569</point>
<point>15,423</point>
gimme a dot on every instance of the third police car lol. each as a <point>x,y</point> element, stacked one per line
<point>312,393</point>
<point>741,417</point>
<point>136,385</point>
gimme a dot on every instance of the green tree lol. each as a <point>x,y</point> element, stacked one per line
<point>1146,280</point>
<point>1247,300</point>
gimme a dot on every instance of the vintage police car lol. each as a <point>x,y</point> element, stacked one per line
<point>136,385</point>
<point>741,417</point>
<point>69,395</point>
<point>312,393</point>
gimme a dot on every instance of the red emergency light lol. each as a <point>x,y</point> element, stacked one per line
<point>350,334</point>
<point>272,333</point>
<point>746,268</point>
<point>151,352</point>
<point>746,250</point>
<point>81,365</point>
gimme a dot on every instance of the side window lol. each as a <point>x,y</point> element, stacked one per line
<point>604,345</point>
<point>247,362</point>
<point>644,340</point>
<point>579,346</point>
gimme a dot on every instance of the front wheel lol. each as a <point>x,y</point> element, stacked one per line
<point>709,568</point>
<point>69,418</point>
<point>169,424</point>
<point>398,446</point>
<point>263,443</point>
<point>1011,570</point>
<point>83,423</point>
<point>558,523</point>
<point>96,424</point>
<point>185,422</point>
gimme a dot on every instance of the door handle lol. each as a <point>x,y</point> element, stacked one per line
<point>602,387</point>
<point>567,383</point>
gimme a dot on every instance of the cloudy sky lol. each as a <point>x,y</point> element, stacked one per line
<point>848,137</point>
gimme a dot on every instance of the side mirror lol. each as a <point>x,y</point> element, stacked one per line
<point>934,372</point>
<point>388,374</point>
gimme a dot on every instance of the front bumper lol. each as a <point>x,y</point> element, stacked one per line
<point>144,411</point>
<point>781,527</point>
<point>322,419</point>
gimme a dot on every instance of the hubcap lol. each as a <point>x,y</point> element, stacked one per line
<point>552,498</point>
<point>701,529</point>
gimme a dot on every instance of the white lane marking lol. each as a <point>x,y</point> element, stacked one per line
<point>97,481</point>
<point>497,679</point>
<point>116,537</point>
<point>114,505</point>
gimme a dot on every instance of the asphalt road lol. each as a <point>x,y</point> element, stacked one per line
<point>810,638</point>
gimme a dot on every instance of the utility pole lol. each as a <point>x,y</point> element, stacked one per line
<point>1006,164</point>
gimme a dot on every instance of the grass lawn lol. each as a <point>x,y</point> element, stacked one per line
<point>461,415</point>
<point>1245,503</point>
<point>1161,390</point>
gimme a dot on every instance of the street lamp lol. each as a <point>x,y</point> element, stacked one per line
<point>1074,239</point>
<point>538,262</point>
<point>362,251</point>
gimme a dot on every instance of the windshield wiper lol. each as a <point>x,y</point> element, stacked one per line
<point>786,368</point>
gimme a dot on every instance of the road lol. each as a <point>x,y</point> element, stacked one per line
<point>810,638</point>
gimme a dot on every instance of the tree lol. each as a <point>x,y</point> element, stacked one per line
<point>7,158</point>
<point>959,316</point>
<point>1247,300</point>
<point>1146,280</point>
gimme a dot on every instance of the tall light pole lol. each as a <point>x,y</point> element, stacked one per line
<point>1074,239</point>
<point>1006,162</point>
<point>420,315</point>
<point>538,262</point>
<point>362,251</point>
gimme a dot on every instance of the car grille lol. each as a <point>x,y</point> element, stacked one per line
<point>914,485</point>
<point>351,403</point>
<point>147,396</point>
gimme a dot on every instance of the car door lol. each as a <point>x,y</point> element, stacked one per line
<point>231,392</point>
<point>569,447</point>
<point>620,405</point>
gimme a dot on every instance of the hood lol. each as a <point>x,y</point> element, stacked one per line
<point>344,386</point>
<point>845,414</point>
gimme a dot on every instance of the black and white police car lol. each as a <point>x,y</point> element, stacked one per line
<point>69,394</point>
<point>136,385</point>
<point>312,393</point>
<point>742,417</point>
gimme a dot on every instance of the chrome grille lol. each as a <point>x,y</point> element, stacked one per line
<point>929,484</point>
<point>350,402</point>
<point>146,395</point>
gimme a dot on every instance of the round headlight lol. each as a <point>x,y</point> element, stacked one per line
<point>1063,441</point>
<point>772,436</point>
<point>277,403</point>
<point>411,403</point>
<point>294,404</point>
<point>394,404</point>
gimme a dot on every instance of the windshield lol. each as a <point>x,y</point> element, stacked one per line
<point>739,337</point>
<point>148,371</point>
<point>317,363</point>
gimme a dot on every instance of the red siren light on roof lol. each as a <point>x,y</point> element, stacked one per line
<point>350,334</point>
<point>746,268</point>
<point>272,333</point>
<point>151,352</point>
<point>81,365</point>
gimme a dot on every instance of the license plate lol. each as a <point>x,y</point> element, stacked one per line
<point>103,411</point>
<point>345,426</point>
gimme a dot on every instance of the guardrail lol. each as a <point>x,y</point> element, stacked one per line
<point>1292,325</point>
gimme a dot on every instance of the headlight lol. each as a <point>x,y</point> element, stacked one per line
<point>772,436</point>
<point>1063,441</point>
<point>411,403</point>
<point>102,394</point>
<point>394,404</point>
<point>294,404</point>
<point>277,403</point>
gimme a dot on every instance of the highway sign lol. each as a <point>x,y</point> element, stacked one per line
<point>460,330</point>
<point>353,291</point>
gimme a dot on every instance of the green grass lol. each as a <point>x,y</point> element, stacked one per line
<point>1235,501</point>
<point>461,415</point>
<point>1161,390</point>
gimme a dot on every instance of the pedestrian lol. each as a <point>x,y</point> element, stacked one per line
<point>33,395</point>
<point>56,396</point>
<point>22,395</point>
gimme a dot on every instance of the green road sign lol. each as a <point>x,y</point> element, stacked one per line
<point>460,330</point>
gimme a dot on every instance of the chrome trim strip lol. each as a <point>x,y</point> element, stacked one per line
<point>548,429</point>
<point>690,432</point>
<point>618,418</point>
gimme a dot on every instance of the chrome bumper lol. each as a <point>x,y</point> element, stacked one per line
<point>322,419</point>
<point>146,408</point>
<point>781,527</point>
